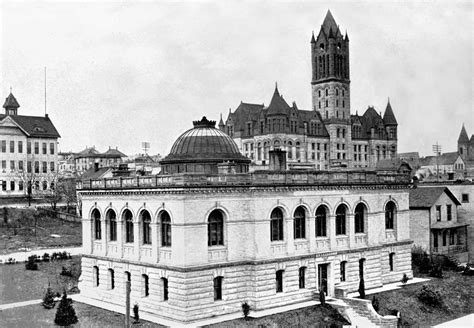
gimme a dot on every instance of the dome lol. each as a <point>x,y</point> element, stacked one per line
<point>205,145</point>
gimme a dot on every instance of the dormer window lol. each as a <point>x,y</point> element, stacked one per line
<point>321,46</point>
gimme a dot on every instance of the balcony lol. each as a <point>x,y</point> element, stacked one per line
<point>449,250</point>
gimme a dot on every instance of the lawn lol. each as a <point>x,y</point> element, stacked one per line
<point>89,317</point>
<point>18,284</point>
<point>312,316</point>
<point>456,293</point>
<point>26,228</point>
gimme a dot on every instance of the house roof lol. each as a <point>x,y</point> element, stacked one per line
<point>443,159</point>
<point>447,224</point>
<point>392,164</point>
<point>34,126</point>
<point>426,197</point>
<point>114,153</point>
<point>278,105</point>
<point>388,116</point>
<point>11,101</point>
<point>92,173</point>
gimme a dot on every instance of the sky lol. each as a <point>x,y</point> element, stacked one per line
<point>120,73</point>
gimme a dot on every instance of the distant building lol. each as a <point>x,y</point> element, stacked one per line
<point>87,158</point>
<point>466,151</point>
<point>66,164</point>
<point>326,136</point>
<point>448,166</point>
<point>28,152</point>
<point>434,223</point>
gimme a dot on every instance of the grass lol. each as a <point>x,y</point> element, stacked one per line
<point>312,316</point>
<point>456,295</point>
<point>20,232</point>
<point>89,317</point>
<point>18,284</point>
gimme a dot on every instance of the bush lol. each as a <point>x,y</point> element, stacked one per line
<point>361,288</point>
<point>404,279</point>
<point>46,257</point>
<point>375,304</point>
<point>48,299</point>
<point>429,296</point>
<point>436,272</point>
<point>66,272</point>
<point>65,314</point>
<point>10,260</point>
<point>31,263</point>
<point>245,310</point>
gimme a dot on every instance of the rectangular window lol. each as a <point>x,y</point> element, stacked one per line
<point>20,147</point>
<point>451,237</point>
<point>51,166</point>
<point>4,146</point>
<point>12,166</point>
<point>12,185</point>
<point>51,148</point>
<point>111,279</point>
<point>146,286</point>
<point>95,273</point>
<point>4,185</point>
<point>279,281</point>
<point>449,215</point>
<point>302,278</point>
<point>36,147</point>
<point>28,166</point>
<point>37,167</point>
<point>217,288</point>
<point>28,147</point>
<point>20,166</point>
<point>45,148</point>
<point>4,166</point>
<point>465,198</point>
<point>45,167</point>
<point>165,288</point>
<point>343,270</point>
<point>390,260</point>
<point>12,146</point>
<point>438,212</point>
<point>20,185</point>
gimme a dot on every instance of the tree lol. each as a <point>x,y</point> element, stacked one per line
<point>48,299</point>
<point>65,314</point>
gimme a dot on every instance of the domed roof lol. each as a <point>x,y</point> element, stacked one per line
<point>204,143</point>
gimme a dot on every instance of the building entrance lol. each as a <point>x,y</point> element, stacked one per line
<point>323,277</point>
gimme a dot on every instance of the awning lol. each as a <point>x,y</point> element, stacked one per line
<point>447,225</point>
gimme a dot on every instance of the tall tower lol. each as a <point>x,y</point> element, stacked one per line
<point>330,86</point>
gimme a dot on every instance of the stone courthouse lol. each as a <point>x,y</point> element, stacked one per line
<point>207,234</point>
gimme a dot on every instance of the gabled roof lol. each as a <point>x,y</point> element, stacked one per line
<point>35,126</point>
<point>443,159</point>
<point>329,24</point>
<point>388,116</point>
<point>392,164</point>
<point>278,105</point>
<point>463,135</point>
<point>426,197</point>
<point>11,101</point>
<point>114,153</point>
<point>100,173</point>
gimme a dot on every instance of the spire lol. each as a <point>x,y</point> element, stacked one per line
<point>388,116</point>
<point>329,23</point>
<point>346,37</point>
<point>277,105</point>
<point>312,38</point>
<point>11,104</point>
<point>331,35</point>
<point>221,123</point>
<point>463,135</point>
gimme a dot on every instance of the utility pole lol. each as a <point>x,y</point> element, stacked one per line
<point>437,151</point>
<point>127,304</point>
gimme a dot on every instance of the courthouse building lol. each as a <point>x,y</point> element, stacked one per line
<point>206,235</point>
<point>28,151</point>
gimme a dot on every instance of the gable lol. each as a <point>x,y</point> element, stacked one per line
<point>10,127</point>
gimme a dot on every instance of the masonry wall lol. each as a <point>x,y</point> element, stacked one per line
<point>420,228</point>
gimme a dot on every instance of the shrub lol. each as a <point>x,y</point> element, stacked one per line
<point>322,297</point>
<point>429,296</point>
<point>65,314</point>
<point>245,310</point>
<point>135,312</point>
<point>11,260</point>
<point>66,272</point>
<point>46,257</point>
<point>48,299</point>
<point>31,263</point>
<point>404,279</point>
<point>436,272</point>
<point>375,304</point>
<point>361,288</point>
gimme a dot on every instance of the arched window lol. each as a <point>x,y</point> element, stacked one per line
<point>290,150</point>
<point>341,220</point>
<point>359,217</point>
<point>215,228</point>
<point>164,283</point>
<point>165,222</point>
<point>298,150</point>
<point>97,224</point>
<point>321,214</point>
<point>299,223</point>
<point>127,217</point>
<point>145,286</point>
<point>361,268</point>
<point>390,210</point>
<point>111,279</point>
<point>111,219</point>
<point>218,288</point>
<point>276,225</point>
<point>146,229</point>
<point>128,277</point>
<point>302,277</point>
<point>95,274</point>
<point>391,258</point>
<point>327,92</point>
<point>279,281</point>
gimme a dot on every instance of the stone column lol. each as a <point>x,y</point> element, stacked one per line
<point>331,226</point>
<point>104,235</point>
<point>154,241</point>
<point>136,238</point>
<point>350,229</point>
<point>311,233</point>
<point>87,237</point>
<point>120,236</point>
<point>289,236</point>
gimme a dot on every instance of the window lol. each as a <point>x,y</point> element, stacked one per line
<point>451,236</point>
<point>276,225</point>
<point>146,230</point>
<point>12,166</point>
<point>321,221</point>
<point>165,221</point>
<point>44,146</point>
<point>215,228</point>
<point>51,166</point>
<point>12,146</point>
<point>45,167</point>
<point>97,227</point>
<point>438,212</point>
<point>112,220</point>
<point>20,185</point>
<point>343,270</point>
<point>449,214</point>
<point>4,146</point>
<point>128,218</point>
<point>218,288</point>
<point>51,148</point>
<point>299,223</point>
<point>95,274</point>
<point>146,286</point>
<point>20,147</point>
<point>164,283</point>
<point>111,279</point>
<point>279,281</point>
<point>28,166</point>
<point>391,256</point>
<point>128,277</point>
<point>12,185</point>
<point>4,185</point>
<point>37,167</point>
<point>36,147</point>
<point>359,217</point>
<point>341,220</point>
<point>4,165</point>
<point>28,147</point>
<point>390,215</point>
<point>302,277</point>
<point>361,268</point>
<point>465,198</point>
<point>45,185</point>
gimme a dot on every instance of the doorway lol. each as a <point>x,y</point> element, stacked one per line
<point>323,277</point>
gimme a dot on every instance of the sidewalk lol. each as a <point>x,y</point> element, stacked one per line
<point>387,287</point>
<point>463,322</point>
<point>23,256</point>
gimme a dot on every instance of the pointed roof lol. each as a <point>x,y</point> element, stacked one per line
<point>426,197</point>
<point>312,38</point>
<point>114,153</point>
<point>221,122</point>
<point>277,105</point>
<point>329,23</point>
<point>11,101</point>
<point>388,116</point>
<point>463,135</point>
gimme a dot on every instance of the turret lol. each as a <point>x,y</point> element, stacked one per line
<point>11,105</point>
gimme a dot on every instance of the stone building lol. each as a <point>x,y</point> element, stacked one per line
<point>28,152</point>
<point>207,235</point>
<point>91,157</point>
<point>326,136</point>
<point>466,151</point>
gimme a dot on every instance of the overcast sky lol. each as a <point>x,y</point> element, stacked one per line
<point>120,73</point>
